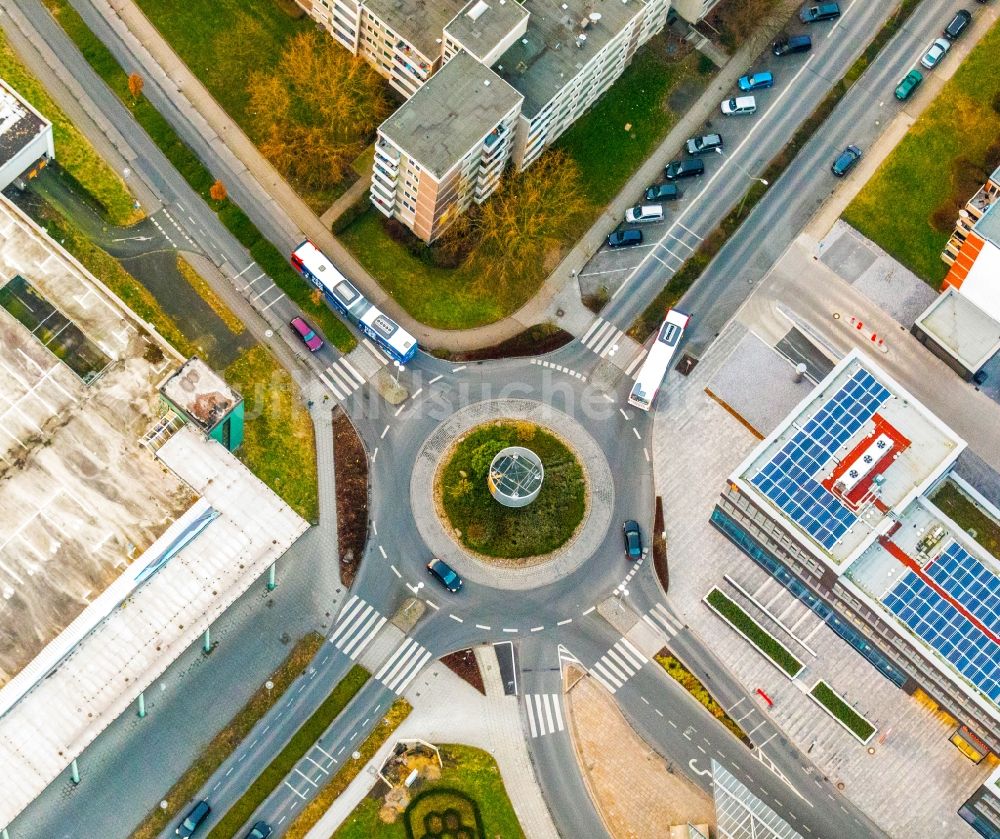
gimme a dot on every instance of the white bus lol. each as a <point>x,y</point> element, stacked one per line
<point>655,367</point>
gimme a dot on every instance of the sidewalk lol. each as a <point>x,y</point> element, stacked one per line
<point>558,293</point>
<point>447,710</point>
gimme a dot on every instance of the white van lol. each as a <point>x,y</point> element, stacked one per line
<point>739,105</point>
<point>644,212</point>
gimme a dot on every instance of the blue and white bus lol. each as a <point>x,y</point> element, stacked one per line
<point>312,264</point>
<point>657,362</point>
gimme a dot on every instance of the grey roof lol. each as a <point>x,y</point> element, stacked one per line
<point>482,24</point>
<point>19,124</point>
<point>989,225</point>
<point>460,104</point>
<point>201,393</point>
<point>961,328</point>
<point>551,53</point>
<point>420,22</point>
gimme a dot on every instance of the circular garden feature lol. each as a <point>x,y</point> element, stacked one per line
<point>488,528</point>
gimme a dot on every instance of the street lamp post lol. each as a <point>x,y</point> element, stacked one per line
<point>400,367</point>
<point>740,166</point>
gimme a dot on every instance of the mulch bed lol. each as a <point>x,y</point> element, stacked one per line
<point>464,665</point>
<point>537,340</point>
<point>660,548</point>
<point>350,464</point>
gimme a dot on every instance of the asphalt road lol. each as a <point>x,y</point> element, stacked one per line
<point>561,611</point>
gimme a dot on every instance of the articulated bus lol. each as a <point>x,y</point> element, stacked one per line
<point>312,264</point>
<point>657,362</point>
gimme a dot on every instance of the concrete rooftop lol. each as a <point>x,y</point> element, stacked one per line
<point>962,328</point>
<point>201,392</point>
<point>19,123</point>
<point>483,24</point>
<point>420,22</point>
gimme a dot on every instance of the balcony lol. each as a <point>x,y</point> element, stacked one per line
<point>383,206</point>
<point>387,154</point>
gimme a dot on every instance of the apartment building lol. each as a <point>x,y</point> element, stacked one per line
<point>557,56</point>
<point>836,505</point>
<point>446,147</point>
<point>694,10</point>
<point>970,214</point>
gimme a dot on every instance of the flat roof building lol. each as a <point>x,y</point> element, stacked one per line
<point>834,504</point>
<point>958,332</point>
<point>25,136</point>
<point>485,28</point>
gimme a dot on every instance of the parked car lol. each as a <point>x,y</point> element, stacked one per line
<point>935,53</point>
<point>909,83</point>
<point>633,539</point>
<point>792,45</point>
<point>704,144</point>
<point>958,24</point>
<point>192,821</point>
<point>260,830</point>
<point>642,213</point>
<point>624,238</point>
<point>820,12</point>
<point>739,105</point>
<point>690,168</point>
<point>757,81</point>
<point>307,334</point>
<point>845,161</point>
<point>445,574</point>
<point>662,192</point>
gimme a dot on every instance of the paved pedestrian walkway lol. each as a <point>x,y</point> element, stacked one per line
<point>558,299</point>
<point>446,709</point>
<point>358,189</point>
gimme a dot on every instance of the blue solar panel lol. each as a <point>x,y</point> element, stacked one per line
<point>974,654</point>
<point>787,479</point>
<point>967,580</point>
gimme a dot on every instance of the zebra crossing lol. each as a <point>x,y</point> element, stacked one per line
<point>662,621</point>
<point>544,713</point>
<point>401,667</point>
<point>345,376</point>
<point>358,623</point>
<point>602,338</point>
<point>618,665</point>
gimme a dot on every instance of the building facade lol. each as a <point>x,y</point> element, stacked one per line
<point>968,216</point>
<point>834,505</point>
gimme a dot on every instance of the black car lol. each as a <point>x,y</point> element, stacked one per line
<point>704,145</point>
<point>623,238</point>
<point>845,161</point>
<point>819,12</point>
<point>192,821</point>
<point>260,830</point>
<point>792,45</point>
<point>662,192</point>
<point>958,24</point>
<point>445,574</point>
<point>633,539</point>
<point>677,169</point>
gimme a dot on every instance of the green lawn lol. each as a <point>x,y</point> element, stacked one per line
<point>967,515</point>
<point>456,298</point>
<point>767,643</point>
<point>490,528</point>
<point>467,770</point>
<point>924,172</point>
<point>73,152</point>
<point>303,739</point>
<point>844,713</point>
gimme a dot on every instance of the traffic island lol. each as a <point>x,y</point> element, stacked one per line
<point>485,539</point>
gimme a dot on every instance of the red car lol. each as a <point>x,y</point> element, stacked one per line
<point>307,334</point>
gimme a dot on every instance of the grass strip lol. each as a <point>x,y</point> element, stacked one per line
<point>692,684</point>
<point>844,713</point>
<point>285,761</point>
<point>225,742</point>
<point>314,810</point>
<point>677,286</point>
<point>267,256</point>
<point>74,152</point>
<point>754,632</point>
<point>279,444</point>
<point>207,293</point>
<point>968,515</point>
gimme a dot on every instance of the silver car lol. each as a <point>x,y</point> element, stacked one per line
<point>935,53</point>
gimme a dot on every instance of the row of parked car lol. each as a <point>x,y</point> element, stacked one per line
<point>932,56</point>
<point>197,815</point>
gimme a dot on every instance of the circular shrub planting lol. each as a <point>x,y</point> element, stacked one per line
<point>483,524</point>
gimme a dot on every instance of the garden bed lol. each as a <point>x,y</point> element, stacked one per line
<point>969,516</point>
<point>843,713</point>
<point>350,463</point>
<point>463,664</point>
<point>692,684</point>
<point>753,632</point>
<point>660,548</point>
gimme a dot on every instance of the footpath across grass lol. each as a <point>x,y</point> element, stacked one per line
<point>911,204</point>
<point>844,713</point>
<point>471,772</point>
<point>267,256</point>
<point>754,632</point>
<point>285,761</point>
<point>225,742</point>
